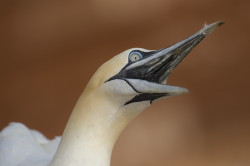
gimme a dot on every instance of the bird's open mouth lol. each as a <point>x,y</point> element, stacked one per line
<point>149,74</point>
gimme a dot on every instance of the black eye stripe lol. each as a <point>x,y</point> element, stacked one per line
<point>144,56</point>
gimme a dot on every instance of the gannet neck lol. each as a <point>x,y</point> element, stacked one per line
<point>92,130</point>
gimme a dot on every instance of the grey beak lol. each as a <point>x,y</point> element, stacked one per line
<point>148,75</point>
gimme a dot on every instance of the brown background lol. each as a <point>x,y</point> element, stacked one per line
<point>49,50</point>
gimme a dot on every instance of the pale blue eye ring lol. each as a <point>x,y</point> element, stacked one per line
<point>135,56</point>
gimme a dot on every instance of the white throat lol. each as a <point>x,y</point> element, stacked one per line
<point>93,128</point>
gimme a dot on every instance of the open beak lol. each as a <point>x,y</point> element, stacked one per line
<point>149,75</point>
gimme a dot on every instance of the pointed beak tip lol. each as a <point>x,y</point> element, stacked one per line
<point>184,91</point>
<point>211,27</point>
<point>179,91</point>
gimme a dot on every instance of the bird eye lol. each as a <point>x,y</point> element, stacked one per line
<point>135,56</point>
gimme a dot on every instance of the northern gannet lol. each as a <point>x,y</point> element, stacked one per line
<point>119,91</point>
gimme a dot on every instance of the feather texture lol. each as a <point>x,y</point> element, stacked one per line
<point>20,146</point>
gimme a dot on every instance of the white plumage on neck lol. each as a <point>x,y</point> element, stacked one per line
<point>90,135</point>
<point>96,122</point>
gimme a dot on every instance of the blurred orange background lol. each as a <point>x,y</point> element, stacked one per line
<point>50,49</point>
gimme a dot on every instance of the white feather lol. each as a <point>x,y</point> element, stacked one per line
<point>20,146</point>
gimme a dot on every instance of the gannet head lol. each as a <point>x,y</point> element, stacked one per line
<point>139,76</point>
<point>119,90</point>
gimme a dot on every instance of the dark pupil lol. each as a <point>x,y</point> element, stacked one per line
<point>135,56</point>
